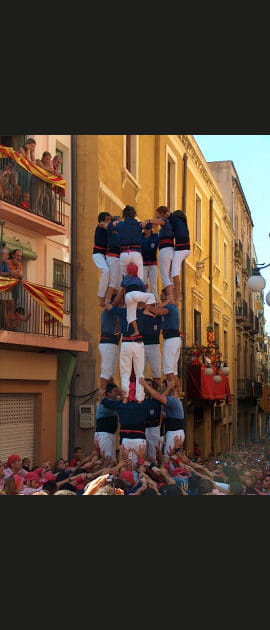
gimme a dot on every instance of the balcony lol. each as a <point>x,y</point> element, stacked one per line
<point>29,201</point>
<point>200,386</point>
<point>241,310</point>
<point>25,323</point>
<point>238,251</point>
<point>248,388</point>
<point>19,312</point>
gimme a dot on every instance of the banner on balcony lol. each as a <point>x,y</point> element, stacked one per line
<point>38,171</point>
<point>51,300</point>
<point>7,283</point>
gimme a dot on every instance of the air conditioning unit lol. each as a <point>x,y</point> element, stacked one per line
<point>87,416</point>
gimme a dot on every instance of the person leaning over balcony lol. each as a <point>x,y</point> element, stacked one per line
<point>16,268</point>
<point>6,299</point>
<point>41,191</point>
<point>28,151</point>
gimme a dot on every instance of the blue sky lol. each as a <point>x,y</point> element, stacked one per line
<point>251,157</point>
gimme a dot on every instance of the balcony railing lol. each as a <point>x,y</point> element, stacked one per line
<point>241,309</point>
<point>247,388</point>
<point>24,190</point>
<point>19,312</point>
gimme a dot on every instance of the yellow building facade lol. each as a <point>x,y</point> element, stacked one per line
<point>146,171</point>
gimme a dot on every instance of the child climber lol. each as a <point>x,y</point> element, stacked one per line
<point>134,290</point>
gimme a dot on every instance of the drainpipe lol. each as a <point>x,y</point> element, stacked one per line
<point>211,310</point>
<point>73,327</point>
<point>183,287</point>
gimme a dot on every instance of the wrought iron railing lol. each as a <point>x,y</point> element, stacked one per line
<point>19,312</point>
<point>24,190</point>
<point>248,388</point>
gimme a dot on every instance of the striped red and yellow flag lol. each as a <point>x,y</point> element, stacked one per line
<point>51,300</point>
<point>36,170</point>
<point>7,283</point>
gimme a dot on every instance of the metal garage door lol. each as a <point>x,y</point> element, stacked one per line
<point>17,425</point>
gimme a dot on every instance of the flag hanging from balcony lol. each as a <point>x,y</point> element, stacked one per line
<point>7,283</point>
<point>51,300</point>
<point>38,171</point>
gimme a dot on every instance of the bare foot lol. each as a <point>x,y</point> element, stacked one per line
<point>146,312</point>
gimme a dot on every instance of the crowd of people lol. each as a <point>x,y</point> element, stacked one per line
<point>244,471</point>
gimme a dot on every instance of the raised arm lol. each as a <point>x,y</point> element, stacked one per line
<point>160,397</point>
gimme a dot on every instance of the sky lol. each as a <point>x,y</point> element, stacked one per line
<point>250,155</point>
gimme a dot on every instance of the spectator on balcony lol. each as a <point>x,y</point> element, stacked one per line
<point>57,162</point>
<point>42,193</point>
<point>46,161</point>
<point>7,303</point>
<point>4,267</point>
<point>28,150</point>
<point>6,182</point>
<point>15,264</point>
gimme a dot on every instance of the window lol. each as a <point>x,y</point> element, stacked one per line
<point>198,219</point>
<point>61,155</point>
<point>61,281</point>
<point>131,155</point>
<point>197,327</point>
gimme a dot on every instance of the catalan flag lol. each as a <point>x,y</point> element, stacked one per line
<point>38,171</point>
<point>51,300</point>
<point>7,283</point>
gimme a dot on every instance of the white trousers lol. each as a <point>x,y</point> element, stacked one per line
<point>169,439</point>
<point>129,443</point>
<point>150,277</point>
<point>114,265</point>
<point>165,263</point>
<point>132,351</point>
<point>177,260</point>
<point>126,258</point>
<point>131,300</point>
<point>152,356</point>
<point>109,353</point>
<point>101,264</point>
<point>170,355</point>
<point>107,443</point>
<point>152,435</point>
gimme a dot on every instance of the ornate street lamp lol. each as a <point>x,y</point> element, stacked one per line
<point>256,282</point>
